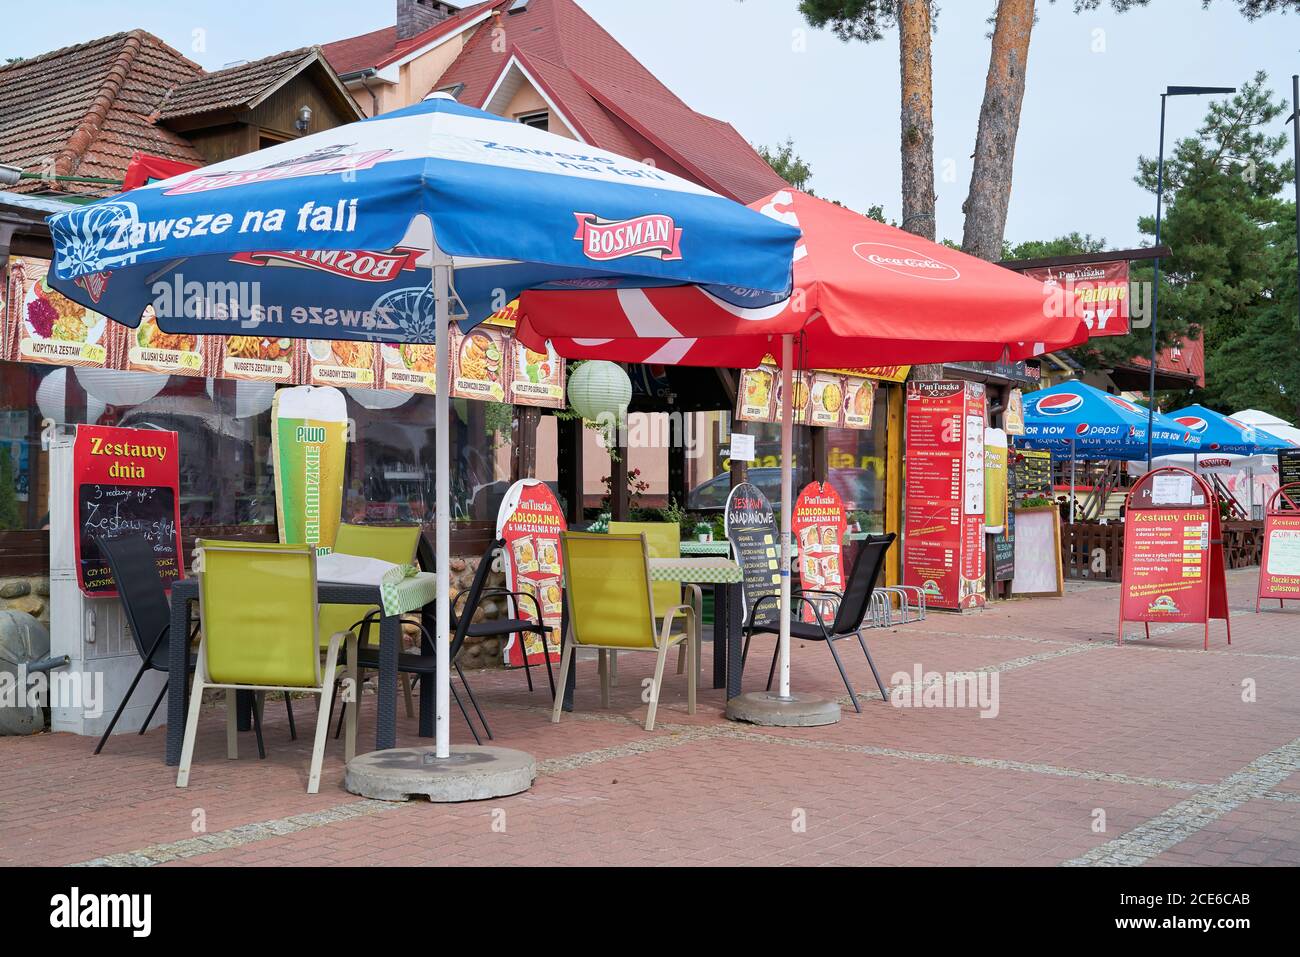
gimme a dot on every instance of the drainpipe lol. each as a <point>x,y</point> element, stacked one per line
<point>364,76</point>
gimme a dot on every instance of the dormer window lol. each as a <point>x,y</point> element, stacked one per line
<point>539,121</point>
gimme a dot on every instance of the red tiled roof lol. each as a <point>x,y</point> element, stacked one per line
<point>85,110</point>
<point>381,47</point>
<point>1187,359</point>
<point>614,101</point>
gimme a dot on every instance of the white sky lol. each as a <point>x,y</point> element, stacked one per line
<point>1087,115</point>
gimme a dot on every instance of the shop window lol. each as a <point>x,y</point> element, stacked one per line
<point>856,467</point>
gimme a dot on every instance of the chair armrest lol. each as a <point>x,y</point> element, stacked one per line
<point>665,627</point>
<point>516,595</point>
<point>793,599</point>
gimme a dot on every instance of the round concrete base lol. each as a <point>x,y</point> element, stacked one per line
<point>469,773</point>
<point>770,709</point>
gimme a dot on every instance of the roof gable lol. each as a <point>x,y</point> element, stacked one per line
<point>609,98</point>
<point>381,48</point>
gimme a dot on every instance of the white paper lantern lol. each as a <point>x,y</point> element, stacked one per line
<point>121,388</point>
<point>52,400</point>
<point>379,399</point>
<point>599,388</point>
<point>251,398</point>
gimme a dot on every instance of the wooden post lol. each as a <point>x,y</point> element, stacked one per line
<point>620,506</point>
<point>820,466</point>
<point>523,461</point>
<point>677,489</point>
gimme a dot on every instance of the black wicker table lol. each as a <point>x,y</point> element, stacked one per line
<point>186,591</point>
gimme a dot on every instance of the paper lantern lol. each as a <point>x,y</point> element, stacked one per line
<point>121,388</point>
<point>251,398</point>
<point>51,399</point>
<point>379,399</point>
<point>600,388</point>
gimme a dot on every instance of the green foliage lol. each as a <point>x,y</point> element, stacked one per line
<point>865,20</point>
<point>9,517</point>
<point>1250,9</point>
<point>787,164</point>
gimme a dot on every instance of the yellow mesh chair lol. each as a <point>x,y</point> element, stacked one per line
<point>607,584</point>
<point>257,607</point>
<point>389,543</point>
<point>665,541</point>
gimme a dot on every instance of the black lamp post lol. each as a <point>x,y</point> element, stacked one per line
<point>1160,195</point>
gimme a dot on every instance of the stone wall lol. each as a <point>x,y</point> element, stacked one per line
<point>28,594</point>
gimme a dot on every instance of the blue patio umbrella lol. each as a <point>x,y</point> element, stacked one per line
<point>385,229</point>
<point>1224,434</point>
<point>1081,420</point>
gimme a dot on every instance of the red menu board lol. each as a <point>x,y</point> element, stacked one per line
<point>1279,568</point>
<point>531,521</point>
<point>125,482</point>
<point>819,523</point>
<point>943,520</point>
<point>1173,553</point>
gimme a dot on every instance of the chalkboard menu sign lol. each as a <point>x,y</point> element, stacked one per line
<point>751,529</point>
<point>1002,554</point>
<point>1031,474</point>
<point>1288,466</point>
<point>126,483</point>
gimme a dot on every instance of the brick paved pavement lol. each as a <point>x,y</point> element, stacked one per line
<point>1152,739</point>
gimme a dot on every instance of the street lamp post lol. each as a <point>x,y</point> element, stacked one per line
<point>1160,195</point>
<point>1295,142</point>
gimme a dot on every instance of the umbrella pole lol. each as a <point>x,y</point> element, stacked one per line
<point>1072,442</point>
<point>442,495</point>
<point>787,493</point>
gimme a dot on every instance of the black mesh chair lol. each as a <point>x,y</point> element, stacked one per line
<point>144,601</point>
<point>851,609</point>
<point>424,664</point>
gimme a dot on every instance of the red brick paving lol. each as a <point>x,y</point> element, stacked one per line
<point>1083,725</point>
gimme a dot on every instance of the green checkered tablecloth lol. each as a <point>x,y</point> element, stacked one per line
<point>699,571</point>
<point>719,547</point>
<point>404,589</point>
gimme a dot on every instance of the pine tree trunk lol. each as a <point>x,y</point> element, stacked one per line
<point>916,117</point>
<point>995,143</point>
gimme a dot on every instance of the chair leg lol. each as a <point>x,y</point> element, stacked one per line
<point>258,700</point>
<point>879,684</point>
<point>744,650</point>
<point>655,687</point>
<point>603,668</point>
<point>157,701</point>
<point>288,707</point>
<point>844,674</point>
<point>323,718</point>
<point>693,676</point>
<point>682,650</point>
<point>776,653</point>
<point>350,742</point>
<point>191,729</point>
<point>338,728</point>
<point>566,662</point>
<point>406,694</point>
<point>528,669</point>
<point>460,704</point>
<point>612,670</point>
<point>472,700</point>
<point>144,665</point>
<point>546,656</point>
<point>232,724</point>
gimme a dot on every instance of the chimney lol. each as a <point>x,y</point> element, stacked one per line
<point>416,16</point>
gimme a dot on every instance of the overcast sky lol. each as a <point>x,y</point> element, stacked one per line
<point>1091,106</point>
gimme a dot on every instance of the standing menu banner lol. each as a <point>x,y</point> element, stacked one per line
<point>819,524</point>
<point>1279,568</point>
<point>125,482</point>
<point>1173,553</point>
<point>1288,467</point>
<point>751,529</point>
<point>943,520</point>
<point>1097,293</point>
<point>531,521</point>
<point>308,445</point>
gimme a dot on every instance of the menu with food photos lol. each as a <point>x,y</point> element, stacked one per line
<point>46,327</point>
<point>819,524</point>
<point>530,522</point>
<point>830,399</point>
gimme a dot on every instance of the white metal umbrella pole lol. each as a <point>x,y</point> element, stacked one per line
<point>787,494</point>
<point>442,493</point>
<point>1072,450</point>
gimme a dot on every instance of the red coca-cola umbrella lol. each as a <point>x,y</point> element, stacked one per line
<point>865,294</point>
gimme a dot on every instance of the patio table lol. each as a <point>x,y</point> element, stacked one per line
<point>725,576</point>
<point>718,547</point>
<point>410,594</point>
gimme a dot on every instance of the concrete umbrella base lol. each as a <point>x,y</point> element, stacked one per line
<point>771,710</point>
<point>469,773</point>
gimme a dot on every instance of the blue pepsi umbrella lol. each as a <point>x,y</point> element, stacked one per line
<point>1076,417</point>
<point>380,230</point>
<point>1222,433</point>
